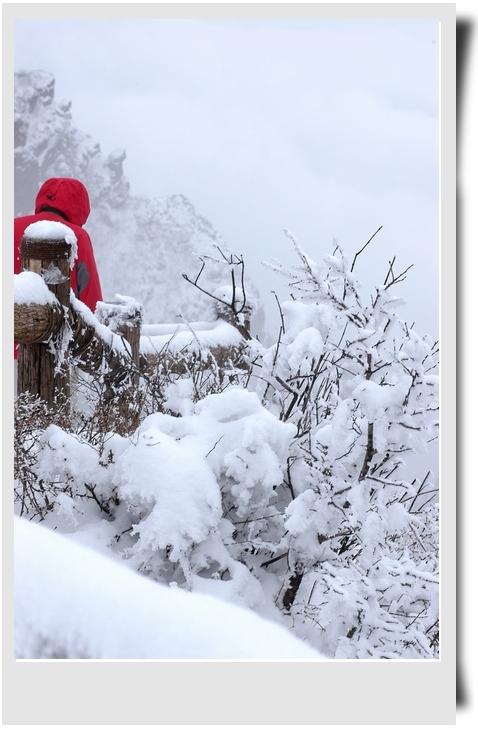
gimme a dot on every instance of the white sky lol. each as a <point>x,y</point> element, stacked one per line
<point>329,129</point>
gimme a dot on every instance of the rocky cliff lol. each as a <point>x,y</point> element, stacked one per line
<point>142,245</point>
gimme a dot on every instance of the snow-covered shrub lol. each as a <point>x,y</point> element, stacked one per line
<point>200,490</point>
<point>360,387</point>
<point>34,498</point>
<point>186,499</point>
<point>171,496</point>
<point>171,369</point>
<point>286,485</point>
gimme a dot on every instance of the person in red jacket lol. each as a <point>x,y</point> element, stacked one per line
<point>66,200</point>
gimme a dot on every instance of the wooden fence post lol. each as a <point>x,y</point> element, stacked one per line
<point>49,258</point>
<point>124,316</point>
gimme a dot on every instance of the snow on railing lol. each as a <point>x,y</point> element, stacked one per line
<point>194,337</point>
<point>54,329</point>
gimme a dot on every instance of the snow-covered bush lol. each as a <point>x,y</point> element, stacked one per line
<point>286,484</point>
<point>200,491</point>
<point>360,387</point>
<point>34,497</point>
<point>186,499</point>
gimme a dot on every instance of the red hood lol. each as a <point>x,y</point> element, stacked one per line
<point>68,195</point>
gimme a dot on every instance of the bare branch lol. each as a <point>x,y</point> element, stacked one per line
<point>364,247</point>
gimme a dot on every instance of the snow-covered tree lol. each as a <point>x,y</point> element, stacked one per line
<point>360,386</point>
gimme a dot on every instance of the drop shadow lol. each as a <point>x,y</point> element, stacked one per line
<point>464,30</point>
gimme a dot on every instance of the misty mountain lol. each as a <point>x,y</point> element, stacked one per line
<point>142,245</point>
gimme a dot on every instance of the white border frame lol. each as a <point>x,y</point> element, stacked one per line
<point>223,692</point>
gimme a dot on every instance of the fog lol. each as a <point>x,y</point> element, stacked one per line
<point>328,129</point>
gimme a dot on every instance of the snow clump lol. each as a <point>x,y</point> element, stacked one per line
<point>30,288</point>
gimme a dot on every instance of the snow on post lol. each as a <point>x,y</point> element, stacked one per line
<point>51,230</point>
<point>124,316</point>
<point>48,248</point>
<point>107,356</point>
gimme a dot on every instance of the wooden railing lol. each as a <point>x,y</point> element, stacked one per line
<point>62,332</point>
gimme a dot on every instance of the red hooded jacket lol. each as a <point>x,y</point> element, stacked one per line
<point>66,200</point>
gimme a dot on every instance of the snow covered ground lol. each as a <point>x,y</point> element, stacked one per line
<point>72,602</point>
<point>278,500</point>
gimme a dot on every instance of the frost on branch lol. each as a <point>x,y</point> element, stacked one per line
<point>360,387</point>
<point>282,480</point>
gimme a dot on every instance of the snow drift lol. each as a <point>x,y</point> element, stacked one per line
<point>72,602</point>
